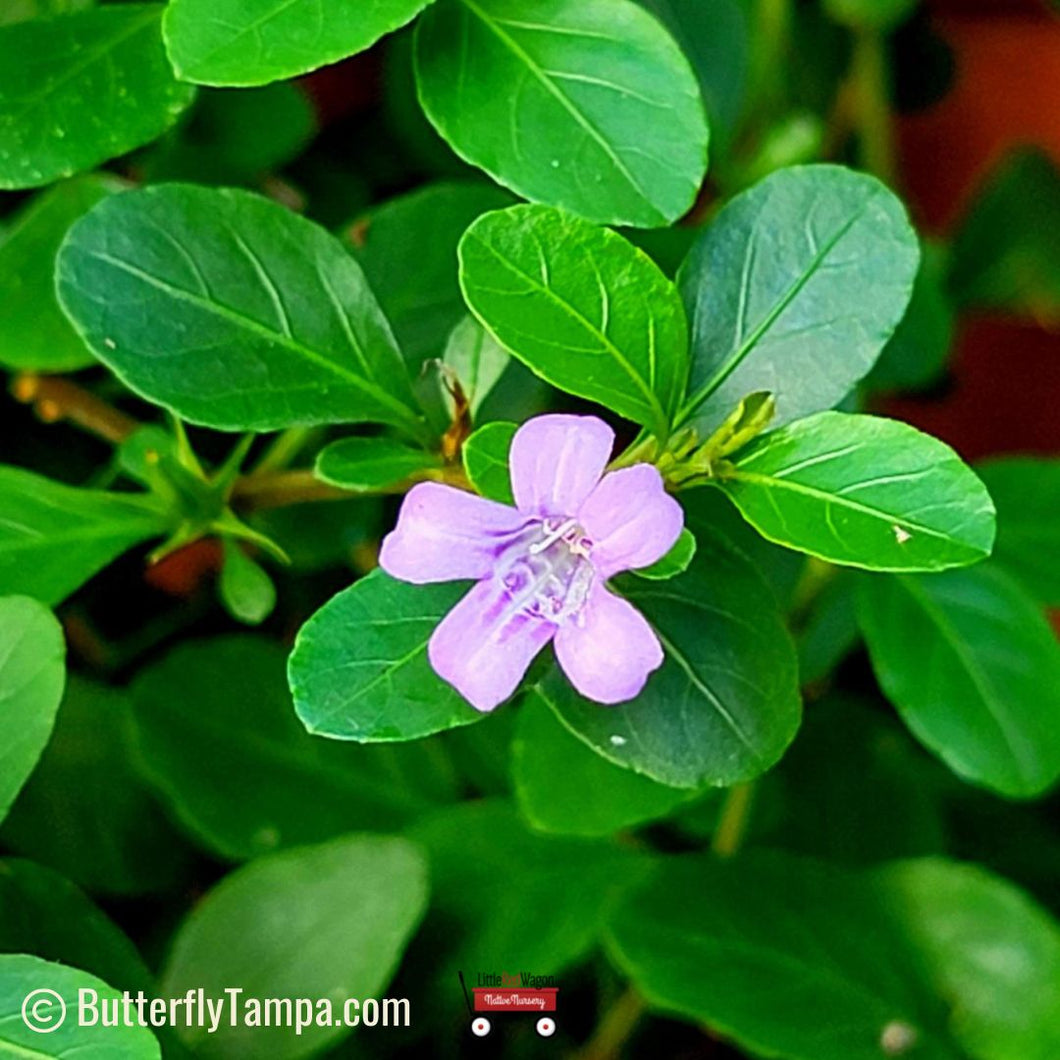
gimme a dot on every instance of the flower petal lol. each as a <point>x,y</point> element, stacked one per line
<point>610,654</point>
<point>484,646</point>
<point>631,520</point>
<point>444,534</point>
<point>557,460</point>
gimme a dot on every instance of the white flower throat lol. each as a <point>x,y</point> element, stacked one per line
<point>549,573</point>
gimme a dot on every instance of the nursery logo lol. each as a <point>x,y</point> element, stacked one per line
<point>514,994</point>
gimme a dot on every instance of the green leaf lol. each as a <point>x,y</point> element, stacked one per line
<point>219,740</point>
<point>110,55</point>
<point>1003,255</point>
<point>581,307</point>
<point>916,355</point>
<point>476,360</point>
<point>704,938</point>
<point>863,491</point>
<point>984,942</point>
<point>974,669</point>
<point>870,14</point>
<point>85,812</point>
<point>407,248</point>
<point>246,589</point>
<point>34,334</point>
<point>485,455</point>
<point>253,42</point>
<point>46,915</point>
<point>377,685</point>
<point>53,538</point>
<point>12,11</point>
<point>584,104</point>
<point>794,289</point>
<point>371,463</point>
<point>32,676</point>
<point>488,869</point>
<point>725,703</point>
<point>675,561</point>
<point>328,921</point>
<point>830,632</point>
<point>1026,492</point>
<point>566,788</point>
<point>227,276</point>
<point>56,1030</point>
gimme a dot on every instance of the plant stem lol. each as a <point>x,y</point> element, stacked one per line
<point>56,399</point>
<point>872,111</point>
<point>733,821</point>
<point>615,1027</point>
<point>284,448</point>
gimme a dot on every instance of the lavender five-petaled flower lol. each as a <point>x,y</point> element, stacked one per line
<point>541,566</point>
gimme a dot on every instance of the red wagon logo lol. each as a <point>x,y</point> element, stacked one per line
<point>512,1000</point>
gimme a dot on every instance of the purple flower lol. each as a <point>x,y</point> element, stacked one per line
<point>541,566</point>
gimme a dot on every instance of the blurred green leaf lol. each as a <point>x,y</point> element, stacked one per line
<point>377,685</point>
<point>1026,492</point>
<point>581,307</point>
<point>44,914</point>
<point>566,788</point>
<point>1004,255</point>
<point>328,921</point>
<point>111,56</point>
<point>34,333</point>
<point>725,703</point>
<point>485,455</point>
<point>371,463</point>
<point>870,14</point>
<point>974,669</point>
<point>246,589</point>
<point>674,562</point>
<point>53,538</point>
<point>220,742</point>
<point>26,10</point>
<point>54,1031</point>
<point>830,631</point>
<point>253,42</point>
<point>607,119</point>
<point>794,289</point>
<point>477,361</point>
<point>85,812</point>
<point>230,275</point>
<point>863,491</point>
<point>32,676</point>
<point>407,248</point>
<point>317,536</point>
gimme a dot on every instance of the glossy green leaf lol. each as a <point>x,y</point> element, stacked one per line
<point>788,957</point>
<point>49,68</point>
<point>1026,492</point>
<point>485,456</point>
<point>565,787</point>
<point>328,921</point>
<point>376,684</point>
<point>974,670</point>
<point>863,491</point>
<point>584,104</point>
<point>223,275</point>
<point>32,676</point>
<point>53,1028</point>
<point>476,361</point>
<point>53,538</point>
<point>581,307</point>
<point>219,740</point>
<point>34,333</point>
<point>985,943</point>
<point>86,812</point>
<point>246,589</point>
<point>725,703</point>
<point>407,248</point>
<point>674,562</point>
<point>488,870</point>
<point>371,463</point>
<point>794,289</point>
<point>44,914</point>
<point>253,42</point>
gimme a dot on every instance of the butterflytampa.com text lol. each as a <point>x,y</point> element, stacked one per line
<point>235,1009</point>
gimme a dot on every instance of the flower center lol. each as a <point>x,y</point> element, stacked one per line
<point>550,573</point>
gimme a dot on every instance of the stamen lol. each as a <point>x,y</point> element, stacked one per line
<point>553,537</point>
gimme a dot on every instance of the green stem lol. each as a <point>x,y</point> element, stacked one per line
<point>733,821</point>
<point>614,1029</point>
<point>285,447</point>
<point>871,82</point>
